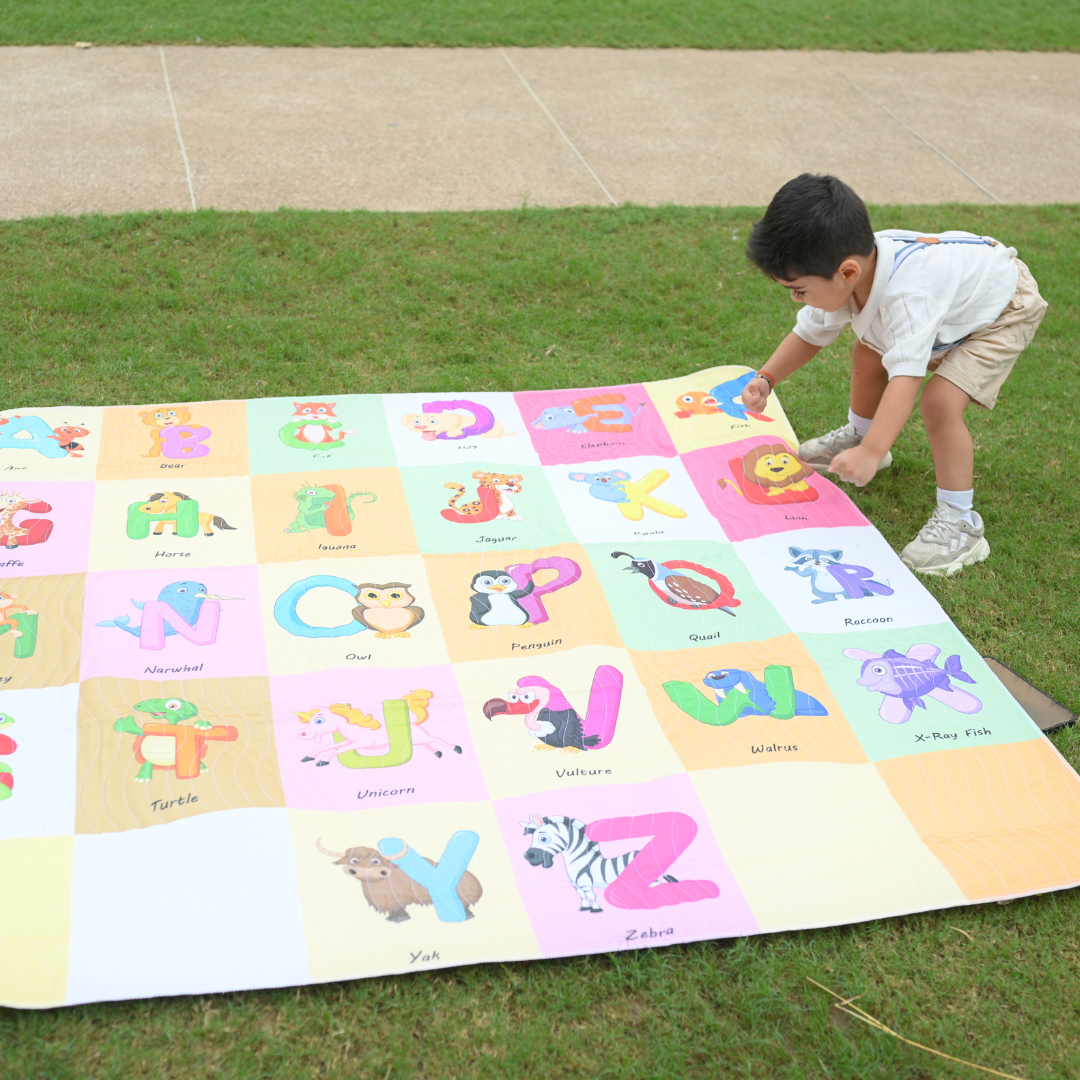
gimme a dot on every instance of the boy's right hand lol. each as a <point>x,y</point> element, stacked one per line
<point>756,393</point>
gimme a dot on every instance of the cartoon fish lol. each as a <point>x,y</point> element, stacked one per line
<point>906,679</point>
<point>184,597</point>
<point>728,398</point>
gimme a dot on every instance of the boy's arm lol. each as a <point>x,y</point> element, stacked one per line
<point>790,355</point>
<point>859,464</point>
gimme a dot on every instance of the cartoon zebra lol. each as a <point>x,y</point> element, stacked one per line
<point>585,866</point>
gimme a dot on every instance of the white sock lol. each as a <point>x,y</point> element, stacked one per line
<point>862,424</point>
<point>959,502</point>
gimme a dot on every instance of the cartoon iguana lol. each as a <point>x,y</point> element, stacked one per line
<point>326,507</point>
<point>169,743</point>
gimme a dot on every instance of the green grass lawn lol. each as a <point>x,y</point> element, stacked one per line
<point>144,308</point>
<point>701,24</point>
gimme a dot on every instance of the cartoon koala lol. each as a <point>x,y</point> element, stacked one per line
<point>606,486</point>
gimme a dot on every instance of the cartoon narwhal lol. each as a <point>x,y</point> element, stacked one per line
<point>184,597</point>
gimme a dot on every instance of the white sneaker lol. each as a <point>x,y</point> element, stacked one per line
<point>818,453</point>
<point>945,545</point>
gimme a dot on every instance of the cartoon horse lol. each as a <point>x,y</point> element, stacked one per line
<point>353,729</point>
<point>168,502</point>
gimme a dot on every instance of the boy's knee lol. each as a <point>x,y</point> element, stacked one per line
<point>942,402</point>
<point>930,408</point>
<point>866,359</point>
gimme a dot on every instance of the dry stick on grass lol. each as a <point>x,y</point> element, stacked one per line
<point>866,1018</point>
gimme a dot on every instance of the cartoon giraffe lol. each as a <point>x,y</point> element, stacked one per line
<point>10,504</point>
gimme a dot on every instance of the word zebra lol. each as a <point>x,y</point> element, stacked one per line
<point>585,866</point>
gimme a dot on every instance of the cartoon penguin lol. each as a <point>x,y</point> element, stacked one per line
<point>495,600</point>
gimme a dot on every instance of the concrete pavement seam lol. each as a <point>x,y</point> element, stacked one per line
<point>908,127</point>
<point>176,121</point>
<point>558,128</point>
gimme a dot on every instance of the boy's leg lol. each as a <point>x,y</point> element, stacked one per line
<point>942,406</point>
<point>868,381</point>
<point>954,536</point>
<point>974,371</point>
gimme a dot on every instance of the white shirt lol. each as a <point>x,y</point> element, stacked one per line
<point>939,295</point>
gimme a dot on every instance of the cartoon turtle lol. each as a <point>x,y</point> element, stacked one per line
<point>170,743</point>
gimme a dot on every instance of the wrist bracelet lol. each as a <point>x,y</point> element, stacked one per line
<point>768,378</point>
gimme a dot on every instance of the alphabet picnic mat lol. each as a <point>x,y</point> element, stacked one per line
<point>295,691</point>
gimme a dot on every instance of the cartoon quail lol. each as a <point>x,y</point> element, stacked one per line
<point>675,585</point>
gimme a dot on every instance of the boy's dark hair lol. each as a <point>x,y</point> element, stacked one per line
<point>811,226</point>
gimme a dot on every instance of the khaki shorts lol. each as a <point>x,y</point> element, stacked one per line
<point>981,363</point>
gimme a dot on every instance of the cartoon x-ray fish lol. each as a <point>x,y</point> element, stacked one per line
<point>905,679</point>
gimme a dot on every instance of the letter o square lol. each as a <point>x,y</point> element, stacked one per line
<point>285,608</point>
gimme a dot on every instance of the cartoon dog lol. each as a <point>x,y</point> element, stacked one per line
<point>438,421</point>
<point>493,499</point>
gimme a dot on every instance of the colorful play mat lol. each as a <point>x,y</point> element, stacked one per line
<point>295,691</point>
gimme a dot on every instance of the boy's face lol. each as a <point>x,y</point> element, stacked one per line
<point>827,294</point>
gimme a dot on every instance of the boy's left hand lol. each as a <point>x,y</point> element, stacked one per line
<point>857,466</point>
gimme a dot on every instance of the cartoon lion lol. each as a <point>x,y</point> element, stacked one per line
<point>775,471</point>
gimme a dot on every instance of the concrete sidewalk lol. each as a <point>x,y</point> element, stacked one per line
<point>116,129</point>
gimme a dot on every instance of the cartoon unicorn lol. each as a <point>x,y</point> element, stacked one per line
<point>338,728</point>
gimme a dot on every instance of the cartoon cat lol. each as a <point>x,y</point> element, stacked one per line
<point>314,423</point>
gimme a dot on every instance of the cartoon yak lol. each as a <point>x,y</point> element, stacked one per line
<point>388,889</point>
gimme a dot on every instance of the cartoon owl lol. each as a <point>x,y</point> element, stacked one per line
<point>388,609</point>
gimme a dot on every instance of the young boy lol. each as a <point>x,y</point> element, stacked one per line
<point>960,306</point>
